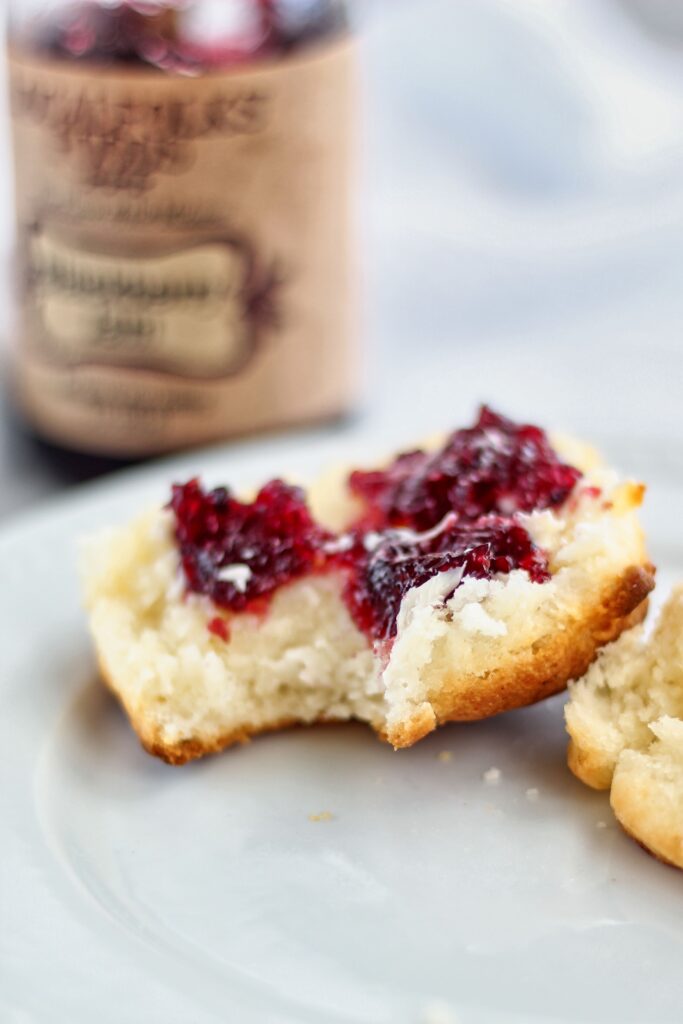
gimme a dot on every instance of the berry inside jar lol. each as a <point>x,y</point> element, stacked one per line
<point>184,36</point>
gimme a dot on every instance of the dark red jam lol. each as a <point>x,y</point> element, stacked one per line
<point>380,577</point>
<point>495,466</point>
<point>171,36</point>
<point>237,552</point>
<point>427,512</point>
<point>219,627</point>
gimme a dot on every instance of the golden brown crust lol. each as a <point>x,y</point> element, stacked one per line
<point>408,731</point>
<point>189,749</point>
<point>589,767</point>
<point>545,670</point>
<point>652,852</point>
<point>639,812</point>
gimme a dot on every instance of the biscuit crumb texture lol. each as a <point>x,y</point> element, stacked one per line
<point>625,720</point>
<point>491,646</point>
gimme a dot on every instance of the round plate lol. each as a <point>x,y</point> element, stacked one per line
<point>311,876</point>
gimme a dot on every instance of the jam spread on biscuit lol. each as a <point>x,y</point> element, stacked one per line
<point>238,553</point>
<point>495,466</point>
<point>427,512</point>
<point>381,574</point>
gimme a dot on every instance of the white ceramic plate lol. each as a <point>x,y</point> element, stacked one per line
<point>132,891</point>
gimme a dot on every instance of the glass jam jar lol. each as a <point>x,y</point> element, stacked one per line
<point>183,186</point>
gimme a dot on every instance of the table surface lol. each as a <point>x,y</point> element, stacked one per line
<point>521,226</point>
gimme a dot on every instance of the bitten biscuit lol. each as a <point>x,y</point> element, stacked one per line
<point>464,648</point>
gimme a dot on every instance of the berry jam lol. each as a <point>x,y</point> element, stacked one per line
<point>424,514</point>
<point>399,560</point>
<point>219,627</point>
<point>495,466</point>
<point>237,553</point>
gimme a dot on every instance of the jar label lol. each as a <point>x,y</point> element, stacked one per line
<point>113,310</point>
<point>183,248</point>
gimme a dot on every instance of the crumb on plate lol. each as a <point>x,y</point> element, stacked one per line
<point>321,816</point>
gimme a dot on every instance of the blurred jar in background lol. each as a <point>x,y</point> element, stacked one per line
<point>182,189</point>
